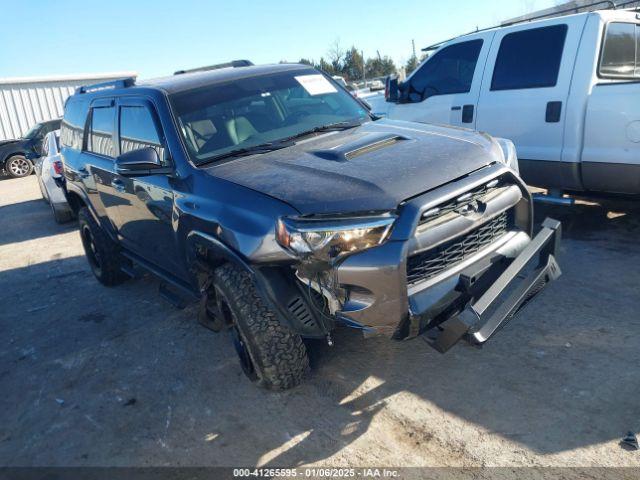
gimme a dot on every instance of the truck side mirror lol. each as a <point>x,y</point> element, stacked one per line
<point>143,161</point>
<point>391,89</point>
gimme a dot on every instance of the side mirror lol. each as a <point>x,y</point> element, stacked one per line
<point>144,161</point>
<point>391,89</point>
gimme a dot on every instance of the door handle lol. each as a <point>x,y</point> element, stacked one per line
<point>117,184</point>
<point>467,114</point>
<point>456,108</point>
<point>552,114</point>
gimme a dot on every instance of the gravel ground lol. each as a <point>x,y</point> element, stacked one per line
<point>115,376</point>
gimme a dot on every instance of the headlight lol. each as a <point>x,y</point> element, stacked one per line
<point>509,153</point>
<point>329,239</point>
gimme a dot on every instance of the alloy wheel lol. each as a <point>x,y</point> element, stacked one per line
<point>19,167</point>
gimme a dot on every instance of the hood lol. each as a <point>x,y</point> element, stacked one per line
<point>372,167</point>
<point>6,142</point>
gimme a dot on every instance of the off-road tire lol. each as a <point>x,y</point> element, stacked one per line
<point>104,259</point>
<point>18,166</point>
<point>277,353</point>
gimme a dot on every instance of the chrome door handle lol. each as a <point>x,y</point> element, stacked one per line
<point>117,184</point>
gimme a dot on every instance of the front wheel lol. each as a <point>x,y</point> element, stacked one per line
<point>102,253</point>
<point>271,355</point>
<point>18,166</point>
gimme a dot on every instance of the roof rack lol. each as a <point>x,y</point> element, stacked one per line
<point>611,6</point>
<point>120,83</point>
<point>233,64</point>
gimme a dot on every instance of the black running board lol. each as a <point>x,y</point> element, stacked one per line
<point>183,287</point>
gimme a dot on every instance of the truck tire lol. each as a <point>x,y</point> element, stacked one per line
<point>271,355</point>
<point>18,166</point>
<point>61,215</point>
<point>102,253</point>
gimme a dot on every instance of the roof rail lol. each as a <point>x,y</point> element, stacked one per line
<point>120,83</point>
<point>611,6</point>
<point>233,64</point>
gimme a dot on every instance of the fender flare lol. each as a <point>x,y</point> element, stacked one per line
<point>198,243</point>
<point>70,188</point>
<point>272,286</point>
<point>13,154</point>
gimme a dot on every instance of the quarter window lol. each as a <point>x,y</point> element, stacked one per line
<point>449,70</point>
<point>100,139</point>
<point>72,128</point>
<point>621,51</point>
<point>529,59</point>
<point>138,130</point>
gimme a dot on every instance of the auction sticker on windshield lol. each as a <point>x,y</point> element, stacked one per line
<point>315,84</point>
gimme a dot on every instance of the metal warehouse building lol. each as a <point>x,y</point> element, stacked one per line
<point>25,101</point>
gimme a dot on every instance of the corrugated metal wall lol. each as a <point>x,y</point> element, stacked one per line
<point>24,102</point>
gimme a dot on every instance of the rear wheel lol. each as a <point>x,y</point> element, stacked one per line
<point>102,253</point>
<point>18,166</point>
<point>271,355</point>
<point>61,215</point>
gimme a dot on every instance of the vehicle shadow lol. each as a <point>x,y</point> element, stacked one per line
<point>142,384</point>
<point>28,220</point>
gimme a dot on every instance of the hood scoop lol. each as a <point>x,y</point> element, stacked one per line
<point>367,144</point>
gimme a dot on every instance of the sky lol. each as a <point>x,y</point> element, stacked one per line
<point>155,38</point>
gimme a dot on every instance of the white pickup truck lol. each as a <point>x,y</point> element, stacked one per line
<point>565,90</point>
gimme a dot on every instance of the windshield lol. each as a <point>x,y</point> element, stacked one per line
<point>33,131</point>
<point>218,119</point>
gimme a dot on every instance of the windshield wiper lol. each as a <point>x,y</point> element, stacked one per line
<point>332,127</point>
<point>282,143</point>
<point>243,152</point>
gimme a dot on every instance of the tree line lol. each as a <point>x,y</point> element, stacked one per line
<point>351,64</point>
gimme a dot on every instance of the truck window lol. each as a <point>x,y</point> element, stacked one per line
<point>100,139</point>
<point>72,128</point>
<point>450,70</point>
<point>620,52</point>
<point>138,130</point>
<point>529,59</point>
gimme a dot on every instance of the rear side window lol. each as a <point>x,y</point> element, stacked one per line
<point>529,59</point>
<point>138,130</point>
<point>621,51</point>
<point>72,128</point>
<point>450,70</point>
<point>100,139</point>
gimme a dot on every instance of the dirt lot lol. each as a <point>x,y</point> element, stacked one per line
<point>97,376</point>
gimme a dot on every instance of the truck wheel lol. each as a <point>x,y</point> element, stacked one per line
<point>271,355</point>
<point>102,253</point>
<point>18,166</point>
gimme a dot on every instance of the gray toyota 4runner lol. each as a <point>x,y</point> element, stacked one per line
<point>274,197</point>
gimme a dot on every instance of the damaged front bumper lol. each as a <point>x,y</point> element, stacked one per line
<point>507,295</point>
<point>471,301</point>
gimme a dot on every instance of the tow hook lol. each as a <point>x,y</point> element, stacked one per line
<point>329,340</point>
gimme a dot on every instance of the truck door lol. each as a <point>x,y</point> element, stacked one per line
<point>525,89</point>
<point>145,212</point>
<point>611,153</point>
<point>445,88</point>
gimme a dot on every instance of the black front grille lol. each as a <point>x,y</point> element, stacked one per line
<point>429,263</point>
